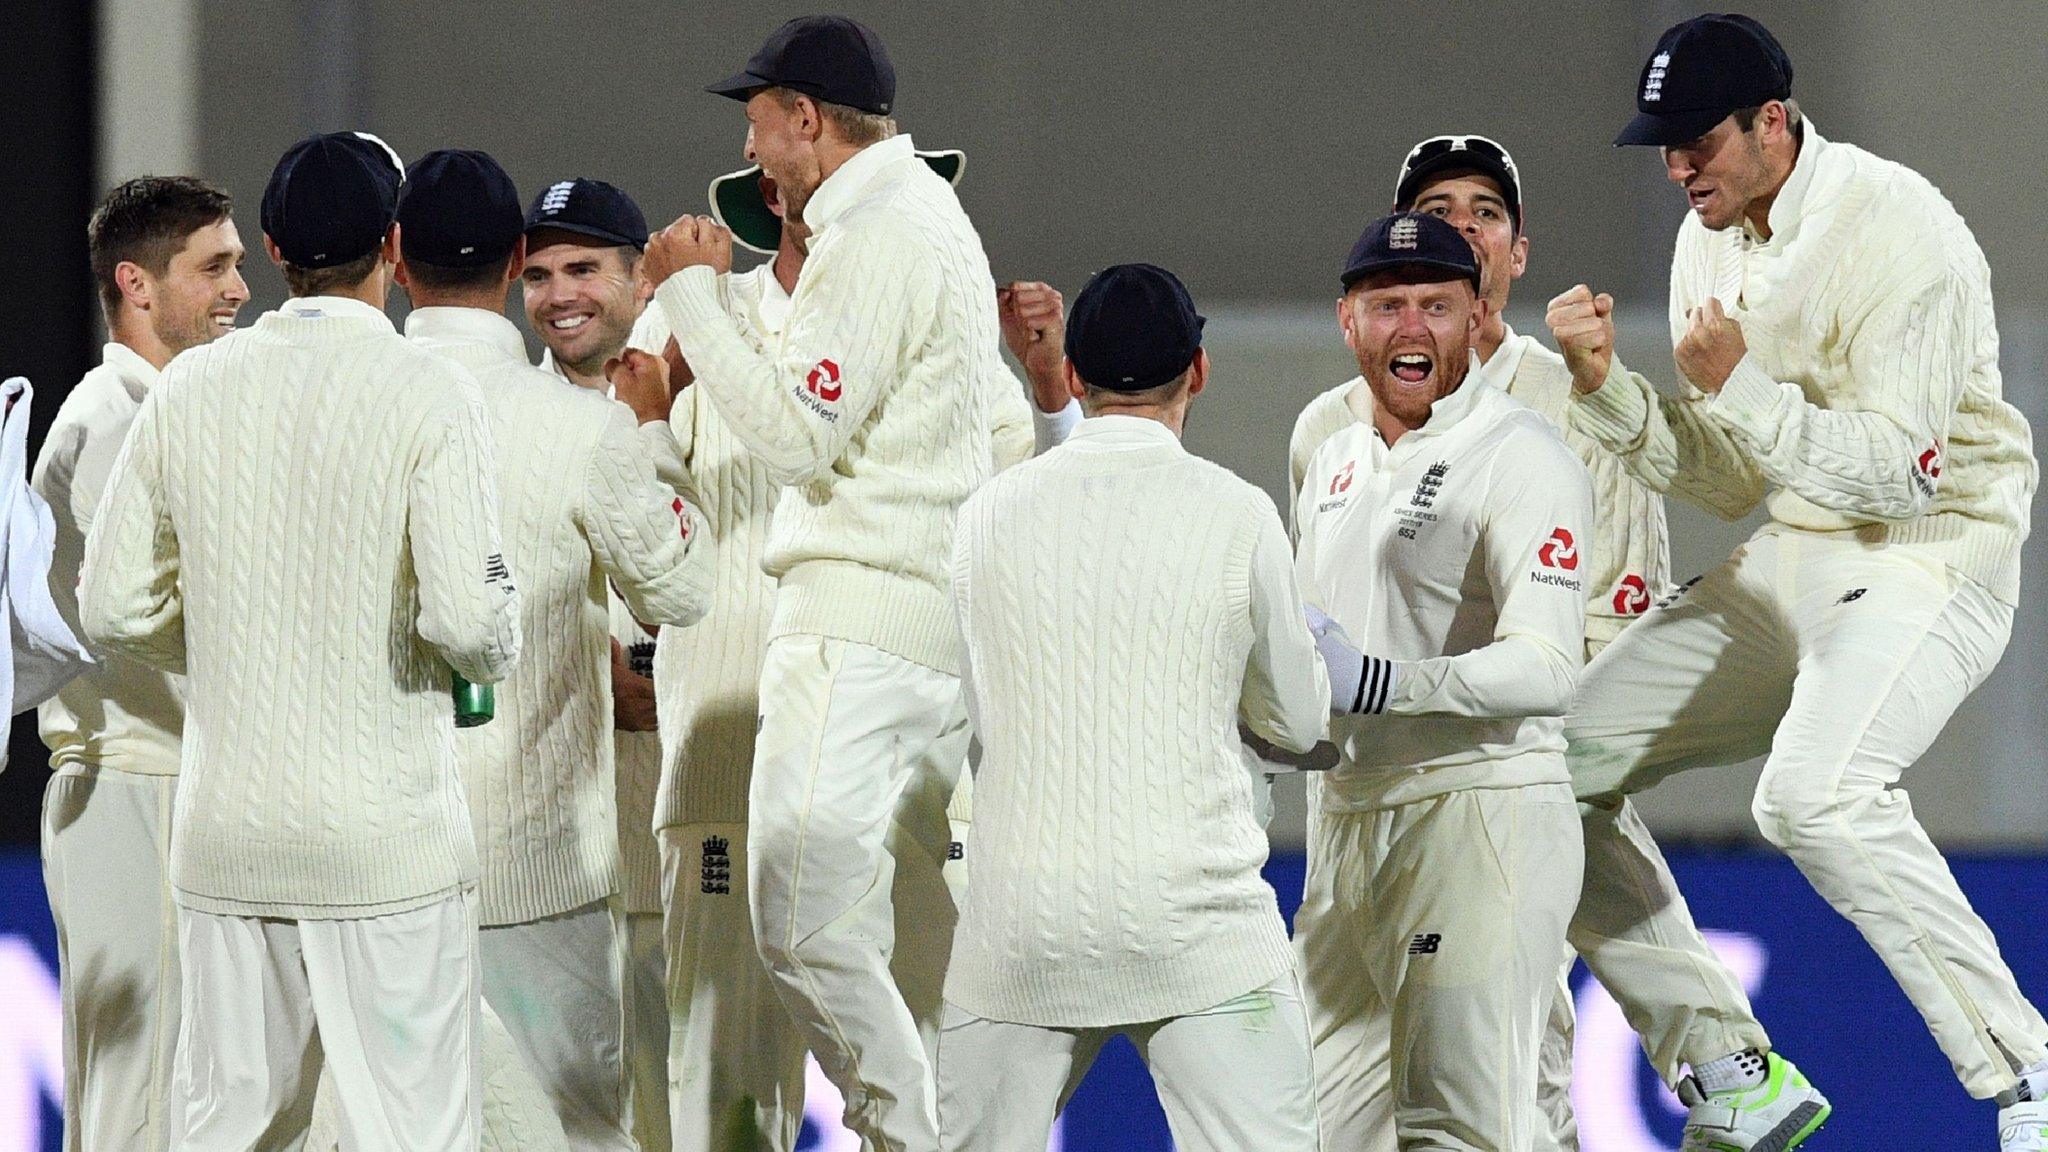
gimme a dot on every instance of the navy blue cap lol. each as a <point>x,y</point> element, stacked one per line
<point>829,58</point>
<point>1459,154</point>
<point>459,210</point>
<point>332,198</point>
<point>1414,240</point>
<point>588,208</point>
<point>1702,70</point>
<point>1133,327</point>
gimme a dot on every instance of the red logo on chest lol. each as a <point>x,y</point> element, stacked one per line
<point>1560,551</point>
<point>823,382</point>
<point>1341,482</point>
<point>1930,461</point>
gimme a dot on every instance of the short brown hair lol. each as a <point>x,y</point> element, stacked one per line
<point>440,278</point>
<point>146,222</point>
<point>850,124</point>
<point>318,281</point>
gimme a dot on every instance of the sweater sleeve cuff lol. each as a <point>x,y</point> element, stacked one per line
<point>660,442</point>
<point>1617,413</point>
<point>689,299</point>
<point>1749,402</point>
<point>1051,429</point>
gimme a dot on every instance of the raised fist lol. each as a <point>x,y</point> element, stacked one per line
<point>1583,326</point>
<point>1034,324</point>
<point>690,241</point>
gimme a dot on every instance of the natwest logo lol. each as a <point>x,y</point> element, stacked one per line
<point>1560,551</point>
<point>682,513</point>
<point>1930,460</point>
<point>823,382</point>
<point>1631,596</point>
<point>1341,482</point>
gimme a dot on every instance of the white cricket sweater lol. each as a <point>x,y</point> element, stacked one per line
<point>1869,406</point>
<point>578,503</point>
<point>636,757</point>
<point>118,713</point>
<point>1456,555</point>
<point>1628,559</point>
<point>872,405</point>
<point>1122,605</point>
<point>302,522</point>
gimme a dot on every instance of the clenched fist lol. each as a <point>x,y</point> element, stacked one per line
<point>1035,327</point>
<point>1583,326</point>
<point>1710,348</point>
<point>640,381</point>
<point>690,241</point>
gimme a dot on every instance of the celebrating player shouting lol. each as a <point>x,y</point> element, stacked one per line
<point>1833,323</point>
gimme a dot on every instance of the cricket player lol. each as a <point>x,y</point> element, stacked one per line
<point>1448,536</point>
<point>1122,605</point>
<point>736,1058</point>
<point>1833,324</point>
<point>583,511</point>
<point>871,411</point>
<point>322,469</point>
<point>582,294</point>
<point>167,261</point>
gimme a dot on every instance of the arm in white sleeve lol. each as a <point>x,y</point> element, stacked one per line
<point>1881,460</point>
<point>1669,443</point>
<point>1539,516</point>
<point>649,540</point>
<point>1010,424</point>
<point>868,298</point>
<point>469,606</point>
<point>1285,698</point>
<point>128,596</point>
<point>1049,430</point>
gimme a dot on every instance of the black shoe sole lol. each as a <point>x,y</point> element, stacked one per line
<point>1791,1132</point>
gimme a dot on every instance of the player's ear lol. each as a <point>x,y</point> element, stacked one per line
<point>1344,323</point>
<point>1198,372</point>
<point>517,262</point>
<point>1518,257</point>
<point>136,284</point>
<point>1075,388</point>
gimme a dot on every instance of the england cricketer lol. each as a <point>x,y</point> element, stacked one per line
<point>1122,605</point>
<point>1833,325</point>
<point>583,512</point>
<point>167,261</point>
<point>871,412</point>
<point>302,521</point>
<point>1447,535</point>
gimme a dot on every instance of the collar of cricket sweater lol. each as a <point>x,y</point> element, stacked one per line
<point>1111,433</point>
<point>1507,359</point>
<point>466,326</point>
<point>1788,208</point>
<point>843,187</point>
<point>137,375</point>
<point>337,307</point>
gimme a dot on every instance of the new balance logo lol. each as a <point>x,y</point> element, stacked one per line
<point>955,850</point>
<point>1425,944</point>
<point>1852,595</point>
<point>496,572</point>
<point>1677,592</point>
<point>716,879</point>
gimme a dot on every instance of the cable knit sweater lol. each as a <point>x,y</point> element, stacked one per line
<point>302,522</point>
<point>1869,406</point>
<point>580,503</point>
<point>118,713</point>
<point>637,757</point>
<point>1122,605</point>
<point>872,405</point>
<point>1628,561</point>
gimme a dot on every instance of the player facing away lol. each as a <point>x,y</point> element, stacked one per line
<point>167,260</point>
<point>872,412</point>
<point>582,513</point>
<point>1446,535</point>
<point>1122,605</point>
<point>320,468</point>
<point>1833,327</point>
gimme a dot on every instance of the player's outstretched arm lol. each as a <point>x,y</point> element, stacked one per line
<point>1286,694</point>
<point>128,597</point>
<point>469,605</point>
<point>651,541</point>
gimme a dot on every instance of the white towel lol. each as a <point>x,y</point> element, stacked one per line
<point>44,655</point>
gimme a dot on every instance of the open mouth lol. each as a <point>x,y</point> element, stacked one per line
<point>225,321</point>
<point>570,323</point>
<point>1697,197</point>
<point>1412,368</point>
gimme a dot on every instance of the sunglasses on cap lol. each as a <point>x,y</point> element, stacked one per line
<point>1437,146</point>
<point>1444,153</point>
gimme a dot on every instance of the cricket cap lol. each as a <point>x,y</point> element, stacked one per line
<point>1133,327</point>
<point>1700,71</point>
<point>828,58</point>
<point>1414,241</point>
<point>459,210</point>
<point>332,198</point>
<point>588,208</point>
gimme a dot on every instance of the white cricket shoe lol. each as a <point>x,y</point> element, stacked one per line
<point>1775,1116</point>
<point>2023,1127</point>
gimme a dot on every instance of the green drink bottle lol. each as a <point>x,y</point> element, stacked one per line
<point>474,703</point>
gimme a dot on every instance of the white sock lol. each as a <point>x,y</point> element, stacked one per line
<point>1731,1073</point>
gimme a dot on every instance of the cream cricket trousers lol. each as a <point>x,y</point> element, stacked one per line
<point>387,1004</point>
<point>644,989</point>
<point>857,753</point>
<point>1234,1078</point>
<point>555,982</point>
<point>1429,942</point>
<point>1842,661</point>
<point>106,846</point>
<point>736,1059</point>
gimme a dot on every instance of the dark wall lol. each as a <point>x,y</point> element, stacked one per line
<point>50,336</point>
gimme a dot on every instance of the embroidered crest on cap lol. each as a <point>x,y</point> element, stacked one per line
<point>1653,84</point>
<point>1403,233</point>
<point>557,197</point>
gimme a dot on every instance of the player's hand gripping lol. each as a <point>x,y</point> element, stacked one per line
<point>1583,326</point>
<point>640,381</point>
<point>1035,327</point>
<point>687,243</point>
<point>1711,347</point>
